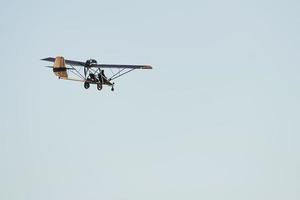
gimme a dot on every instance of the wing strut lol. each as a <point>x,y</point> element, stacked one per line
<point>119,74</point>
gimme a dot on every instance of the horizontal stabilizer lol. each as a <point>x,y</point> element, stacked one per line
<point>68,68</point>
<point>68,62</point>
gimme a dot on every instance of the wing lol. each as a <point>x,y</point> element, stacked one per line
<point>122,66</point>
<point>82,64</point>
<point>68,62</point>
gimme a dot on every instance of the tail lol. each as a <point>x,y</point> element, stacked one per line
<point>59,67</point>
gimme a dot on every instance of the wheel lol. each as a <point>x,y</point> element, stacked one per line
<point>99,86</point>
<point>86,85</point>
<point>112,89</point>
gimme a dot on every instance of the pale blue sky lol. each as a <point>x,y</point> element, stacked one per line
<point>217,118</point>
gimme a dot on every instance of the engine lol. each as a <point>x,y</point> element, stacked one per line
<point>90,62</point>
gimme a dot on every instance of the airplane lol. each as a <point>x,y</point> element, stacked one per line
<point>89,72</point>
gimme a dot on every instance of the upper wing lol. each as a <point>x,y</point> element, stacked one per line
<point>68,62</point>
<point>122,66</point>
<point>82,64</point>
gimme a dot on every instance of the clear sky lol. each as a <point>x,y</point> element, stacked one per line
<point>217,117</point>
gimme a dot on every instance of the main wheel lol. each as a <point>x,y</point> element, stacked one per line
<point>86,85</point>
<point>99,86</point>
<point>112,89</point>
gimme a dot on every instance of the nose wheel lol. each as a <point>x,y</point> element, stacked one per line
<point>86,85</point>
<point>112,87</point>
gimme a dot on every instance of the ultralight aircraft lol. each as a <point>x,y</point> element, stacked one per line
<point>90,72</point>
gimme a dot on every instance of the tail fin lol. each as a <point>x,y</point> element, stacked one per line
<point>59,67</point>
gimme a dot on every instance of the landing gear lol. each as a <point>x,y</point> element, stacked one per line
<point>99,86</point>
<point>86,85</point>
<point>112,87</point>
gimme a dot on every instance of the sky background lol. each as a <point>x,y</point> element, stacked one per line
<point>217,117</point>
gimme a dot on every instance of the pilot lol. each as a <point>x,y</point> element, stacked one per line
<point>102,72</point>
<point>101,76</point>
<point>92,77</point>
